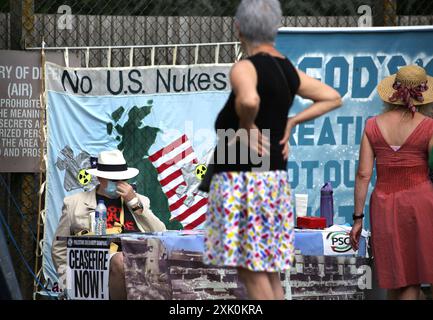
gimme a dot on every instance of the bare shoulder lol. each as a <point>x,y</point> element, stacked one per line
<point>380,117</point>
<point>243,67</point>
<point>369,123</point>
<point>429,122</point>
<point>243,76</point>
<point>373,118</point>
<point>429,119</point>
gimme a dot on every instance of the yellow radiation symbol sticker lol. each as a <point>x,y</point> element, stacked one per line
<point>84,178</point>
<point>200,171</point>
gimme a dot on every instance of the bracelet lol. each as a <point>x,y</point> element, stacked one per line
<point>355,217</point>
<point>132,203</point>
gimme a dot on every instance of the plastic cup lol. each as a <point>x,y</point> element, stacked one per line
<point>301,204</point>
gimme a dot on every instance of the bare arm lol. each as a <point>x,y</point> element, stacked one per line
<point>430,156</point>
<point>363,175</point>
<point>430,145</point>
<point>362,179</point>
<point>324,97</point>
<point>243,78</point>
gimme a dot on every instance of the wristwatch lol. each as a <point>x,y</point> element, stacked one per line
<point>358,216</point>
<point>138,206</point>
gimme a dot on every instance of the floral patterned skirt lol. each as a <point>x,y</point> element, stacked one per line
<point>249,221</point>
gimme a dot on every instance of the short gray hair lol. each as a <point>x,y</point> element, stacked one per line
<point>258,20</point>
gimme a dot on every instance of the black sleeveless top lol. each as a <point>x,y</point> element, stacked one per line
<point>276,98</point>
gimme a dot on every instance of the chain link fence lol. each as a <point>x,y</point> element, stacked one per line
<point>26,23</point>
<point>19,207</point>
<point>60,23</point>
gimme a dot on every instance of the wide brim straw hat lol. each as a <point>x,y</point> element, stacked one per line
<point>409,76</point>
<point>112,165</point>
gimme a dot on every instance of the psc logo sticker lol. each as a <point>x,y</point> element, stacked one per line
<point>83,177</point>
<point>340,241</point>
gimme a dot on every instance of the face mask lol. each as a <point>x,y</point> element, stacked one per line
<point>111,189</point>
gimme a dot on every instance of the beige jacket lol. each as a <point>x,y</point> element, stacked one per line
<point>76,217</point>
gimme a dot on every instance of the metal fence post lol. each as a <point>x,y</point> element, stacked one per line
<point>21,22</point>
<point>390,13</point>
<point>378,13</point>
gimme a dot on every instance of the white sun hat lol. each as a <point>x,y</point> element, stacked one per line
<point>112,165</point>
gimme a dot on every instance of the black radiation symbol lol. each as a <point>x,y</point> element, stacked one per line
<point>84,178</point>
<point>200,171</point>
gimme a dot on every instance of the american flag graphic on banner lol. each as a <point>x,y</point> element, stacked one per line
<point>186,205</point>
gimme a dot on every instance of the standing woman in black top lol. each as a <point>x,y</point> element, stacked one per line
<point>249,222</point>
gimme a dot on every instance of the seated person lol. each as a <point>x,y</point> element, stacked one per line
<point>136,216</point>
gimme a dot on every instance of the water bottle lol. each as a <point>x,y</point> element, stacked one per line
<point>327,204</point>
<point>101,219</point>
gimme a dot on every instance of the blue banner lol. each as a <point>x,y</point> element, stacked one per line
<point>353,61</point>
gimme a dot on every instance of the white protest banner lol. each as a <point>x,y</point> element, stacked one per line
<point>87,269</point>
<point>138,110</point>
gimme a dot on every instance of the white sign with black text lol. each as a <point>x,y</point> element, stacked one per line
<point>337,243</point>
<point>336,240</point>
<point>87,269</point>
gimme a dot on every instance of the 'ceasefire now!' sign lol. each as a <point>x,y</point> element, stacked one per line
<point>87,269</point>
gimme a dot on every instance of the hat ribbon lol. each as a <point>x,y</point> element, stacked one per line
<point>405,93</point>
<point>112,167</point>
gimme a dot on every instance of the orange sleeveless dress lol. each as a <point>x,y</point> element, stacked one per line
<point>401,208</point>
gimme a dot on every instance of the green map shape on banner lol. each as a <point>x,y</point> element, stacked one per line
<point>135,142</point>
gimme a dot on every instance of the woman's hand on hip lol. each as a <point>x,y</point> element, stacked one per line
<point>285,141</point>
<point>259,142</point>
<point>253,138</point>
